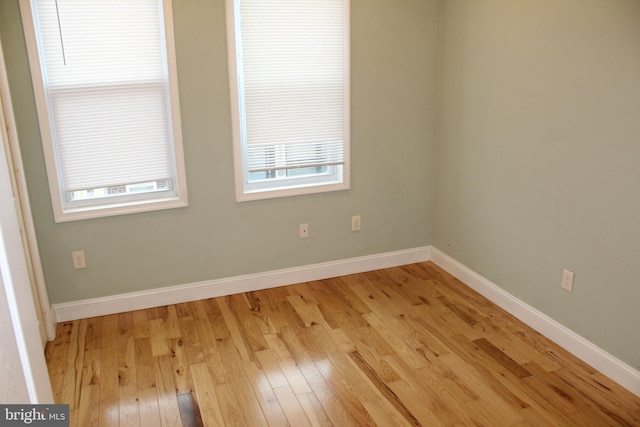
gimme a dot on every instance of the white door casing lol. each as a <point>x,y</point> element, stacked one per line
<point>18,320</point>
<point>9,140</point>
<point>22,361</point>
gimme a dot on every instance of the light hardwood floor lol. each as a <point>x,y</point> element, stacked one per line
<point>405,346</point>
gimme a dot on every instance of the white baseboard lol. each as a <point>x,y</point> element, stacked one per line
<point>610,366</point>
<point>246,283</point>
<point>618,371</point>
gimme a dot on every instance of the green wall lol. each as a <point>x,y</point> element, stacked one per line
<point>538,157</point>
<point>536,161</point>
<point>393,83</point>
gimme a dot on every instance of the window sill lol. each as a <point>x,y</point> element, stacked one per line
<point>246,196</point>
<point>77,214</point>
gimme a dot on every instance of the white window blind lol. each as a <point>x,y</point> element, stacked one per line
<point>292,78</point>
<point>105,71</point>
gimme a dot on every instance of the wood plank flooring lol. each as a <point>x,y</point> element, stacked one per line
<point>405,346</point>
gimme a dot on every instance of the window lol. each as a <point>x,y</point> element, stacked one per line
<point>106,91</point>
<point>289,71</point>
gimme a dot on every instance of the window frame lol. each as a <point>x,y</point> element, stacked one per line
<point>114,205</point>
<point>337,180</point>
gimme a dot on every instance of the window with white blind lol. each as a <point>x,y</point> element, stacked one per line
<point>105,82</point>
<point>289,72</point>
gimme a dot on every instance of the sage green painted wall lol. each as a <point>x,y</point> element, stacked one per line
<point>538,157</point>
<point>537,160</point>
<point>393,82</point>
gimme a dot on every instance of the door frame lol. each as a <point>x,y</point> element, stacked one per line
<point>45,315</point>
<point>16,285</point>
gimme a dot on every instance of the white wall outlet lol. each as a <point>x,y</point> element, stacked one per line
<point>78,260</point>
<point>356,223</point>
<point>567,280</point>
<point>304,231</point>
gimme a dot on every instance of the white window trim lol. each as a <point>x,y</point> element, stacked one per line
<point>310,187</point>
<point>64,214</point>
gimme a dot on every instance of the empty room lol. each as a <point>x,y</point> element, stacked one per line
<point>321,212</point>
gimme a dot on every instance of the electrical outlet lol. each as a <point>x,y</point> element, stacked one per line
<point>567,280</point>
<point>355,223</point>
<point>304,231</point>
<point>78,260</point>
